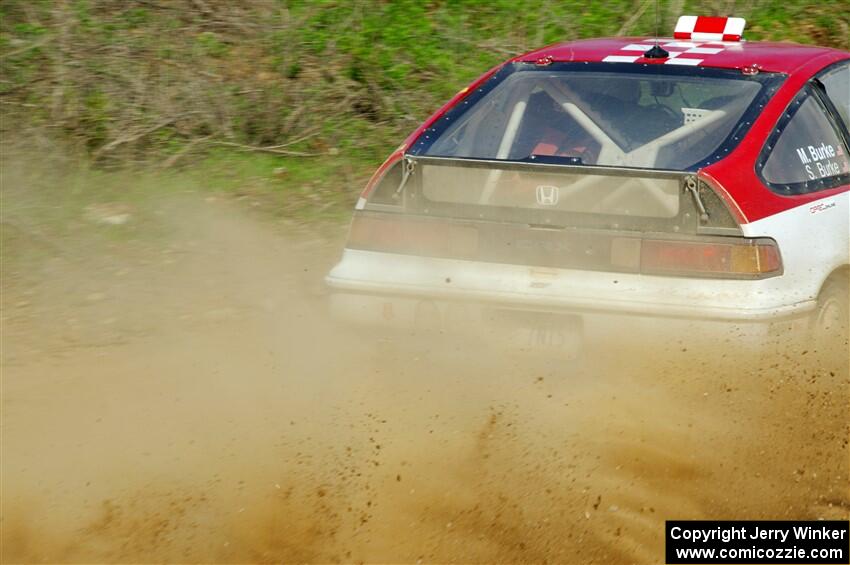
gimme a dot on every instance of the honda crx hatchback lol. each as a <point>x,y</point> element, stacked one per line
<point>616,185</point>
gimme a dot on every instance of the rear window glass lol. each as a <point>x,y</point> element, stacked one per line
<point>555,192</point>
<point>643,117</point>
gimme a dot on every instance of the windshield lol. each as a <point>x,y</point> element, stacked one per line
<point>637,116</point>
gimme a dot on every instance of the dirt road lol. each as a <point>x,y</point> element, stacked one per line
<point>187,398</point>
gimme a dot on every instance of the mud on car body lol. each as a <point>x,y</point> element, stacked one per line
<point>617,185</point>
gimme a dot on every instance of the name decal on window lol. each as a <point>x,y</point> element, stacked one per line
<point>818,161</point>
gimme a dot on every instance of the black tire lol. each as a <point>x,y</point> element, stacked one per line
<point>830,321</point>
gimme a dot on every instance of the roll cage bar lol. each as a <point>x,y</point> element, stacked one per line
<point>611,153</point>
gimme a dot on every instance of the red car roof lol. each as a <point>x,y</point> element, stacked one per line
<point>769,56</point>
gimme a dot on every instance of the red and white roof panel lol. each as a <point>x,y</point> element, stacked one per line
<point>680,52</point>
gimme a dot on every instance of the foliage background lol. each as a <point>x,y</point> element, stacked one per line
<point>293,97</point>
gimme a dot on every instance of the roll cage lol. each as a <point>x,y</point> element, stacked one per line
<point>612,151</point>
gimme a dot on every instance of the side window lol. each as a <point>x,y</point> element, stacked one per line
<point>805,153</point>
<point>837,84</point>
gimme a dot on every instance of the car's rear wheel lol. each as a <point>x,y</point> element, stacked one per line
<point>829,323</point>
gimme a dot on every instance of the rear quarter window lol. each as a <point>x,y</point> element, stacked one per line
<point>806,152</point>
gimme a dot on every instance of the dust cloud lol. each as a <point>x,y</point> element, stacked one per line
<point>185,396</point>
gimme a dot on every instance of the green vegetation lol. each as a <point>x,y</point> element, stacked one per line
<point>294,100</point>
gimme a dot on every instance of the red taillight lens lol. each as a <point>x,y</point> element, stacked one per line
<point>735,257</point>
<point>418,237</point>
<point>704,257</point>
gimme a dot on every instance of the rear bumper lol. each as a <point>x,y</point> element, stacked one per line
<point>406,312</point>
<point>577,304</point>
<point>397,291</point>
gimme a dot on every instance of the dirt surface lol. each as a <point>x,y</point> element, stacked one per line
<point>187,398</point>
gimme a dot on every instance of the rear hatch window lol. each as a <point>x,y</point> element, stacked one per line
<point>551,192</point>
<point>551,195</point>
<point>641,116</point>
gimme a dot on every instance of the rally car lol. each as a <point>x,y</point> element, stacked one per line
<point>614,185</point>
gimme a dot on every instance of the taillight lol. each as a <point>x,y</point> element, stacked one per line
<point>413,236</point>
<point>701,257</point>
<point>731,257</point>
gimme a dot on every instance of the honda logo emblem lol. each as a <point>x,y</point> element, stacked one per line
<point>547,195</point>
